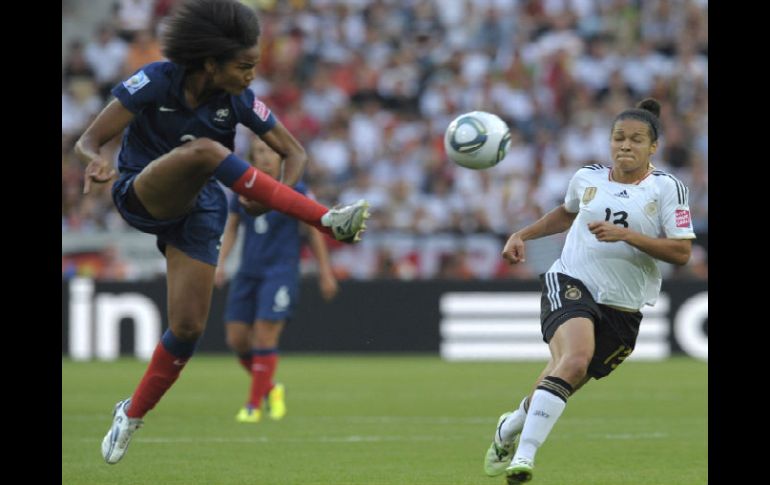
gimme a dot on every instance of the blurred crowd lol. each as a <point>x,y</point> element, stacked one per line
<point>368,87</point>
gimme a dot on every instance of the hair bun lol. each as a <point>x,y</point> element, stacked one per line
<point>651,105</point>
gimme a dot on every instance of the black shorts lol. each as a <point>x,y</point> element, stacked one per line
<point>615,331</point>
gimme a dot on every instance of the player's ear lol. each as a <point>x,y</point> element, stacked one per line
<point>210,65</point>
<point>653,148</point>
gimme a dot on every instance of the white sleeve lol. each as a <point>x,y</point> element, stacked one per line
<point>572,198</point>
<point>675,214</point>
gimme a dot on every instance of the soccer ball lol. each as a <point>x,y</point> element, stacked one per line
<point>477,140</point>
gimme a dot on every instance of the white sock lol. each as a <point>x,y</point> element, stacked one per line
<point>513,425</point>
<point>544,410</point>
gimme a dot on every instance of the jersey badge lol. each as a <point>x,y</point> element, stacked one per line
<point>589,194</point>
<point>261,110</point>
<point>136,82</point>
<point>682,218</point>
<point>651,208</point>
<point>572,293</point>
<point>220,116</point>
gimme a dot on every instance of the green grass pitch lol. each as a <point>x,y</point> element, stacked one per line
<point>385,420</point>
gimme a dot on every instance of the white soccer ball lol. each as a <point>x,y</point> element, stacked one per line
<point>477,140</point>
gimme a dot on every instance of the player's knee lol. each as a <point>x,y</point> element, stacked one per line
<point>206,151</point>
<point>575,366</point>
<point>188,328</point>
<point>238,342</point>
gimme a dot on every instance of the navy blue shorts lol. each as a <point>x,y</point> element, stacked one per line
<point>253,298</point>
<point>197,233</point>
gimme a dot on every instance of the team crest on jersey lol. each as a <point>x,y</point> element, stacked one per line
<point>651,208</point>
<point>136,82</point>
<point>589,194</point>
<point>261,110</point>
<point>221,115</point>
<point>572,293</point>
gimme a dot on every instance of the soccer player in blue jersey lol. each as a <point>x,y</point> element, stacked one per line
<point>180,118</point>
<point>264,291</point>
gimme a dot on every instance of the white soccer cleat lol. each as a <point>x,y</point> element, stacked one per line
<point>115,443</point>
<point>348,222</point>
<point>500,452</point>
<point>519,471</point>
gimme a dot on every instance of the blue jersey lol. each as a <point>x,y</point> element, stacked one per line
<point>271,242</point>
<point>163,121</point>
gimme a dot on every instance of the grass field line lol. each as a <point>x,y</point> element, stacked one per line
<point>265,439</point>
<point>352,419</point>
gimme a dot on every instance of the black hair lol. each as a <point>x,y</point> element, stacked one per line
<point>648,110</point>
<point>202,29</point>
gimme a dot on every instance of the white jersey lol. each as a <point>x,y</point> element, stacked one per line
<point>617,273</point>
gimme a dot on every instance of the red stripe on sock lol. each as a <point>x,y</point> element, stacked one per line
<point>259,186</point>
<point>162,372</point>
<point>262,371</point>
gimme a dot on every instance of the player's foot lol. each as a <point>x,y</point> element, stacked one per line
<point>519,471</point>
<point>115,443</point>
<point>248,414</point>
<point>349,222</point>
<point>500,452</point>
<point>275,402</point>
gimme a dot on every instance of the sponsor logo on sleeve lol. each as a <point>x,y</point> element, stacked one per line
<point>136,82</point>
<point>682,218</point>
<point>261,110</point>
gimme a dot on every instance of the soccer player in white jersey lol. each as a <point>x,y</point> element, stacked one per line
<point>621,219</point>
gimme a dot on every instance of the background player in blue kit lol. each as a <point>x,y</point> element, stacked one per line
<point>264,292</point>
<point>180,118</point>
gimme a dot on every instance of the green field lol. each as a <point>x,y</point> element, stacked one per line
<point>385,420</point>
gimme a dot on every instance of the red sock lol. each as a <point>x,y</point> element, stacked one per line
<point>163,370</point>
<point>262,370</point>
<point>245,362</point>
<point>259,186</point>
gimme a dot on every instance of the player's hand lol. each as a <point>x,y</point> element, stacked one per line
<point>328,285</point>
<point>220,276</point>
<point>99,171</point>
<point>513,252</point>
<point>607,231</point>
<point>252,207</point>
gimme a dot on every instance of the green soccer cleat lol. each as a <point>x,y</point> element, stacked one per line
<point>519,471</point>
<point>499,456</point>
<point>275,402</point>
<point>349,222</point>
<point>247,414</point>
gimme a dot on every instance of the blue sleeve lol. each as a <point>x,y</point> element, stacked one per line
<point>253,113</point>
<point>144,87</point>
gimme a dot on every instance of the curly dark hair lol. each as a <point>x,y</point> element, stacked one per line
<point>202,29</point>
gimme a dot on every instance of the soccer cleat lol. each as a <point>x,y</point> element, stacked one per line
<point>247,414</point>
<point>519,471</point>
<point>115,443</point>
<point>348,222</point>
<point>275,402</point>
<point>499,456</point>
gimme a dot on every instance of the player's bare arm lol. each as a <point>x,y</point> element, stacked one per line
<point>228,240</point>
<point>327,282</point>
<point>294,156</point>
<point>556,221</point>
<point>110,123</point>
<point>674,251</point>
